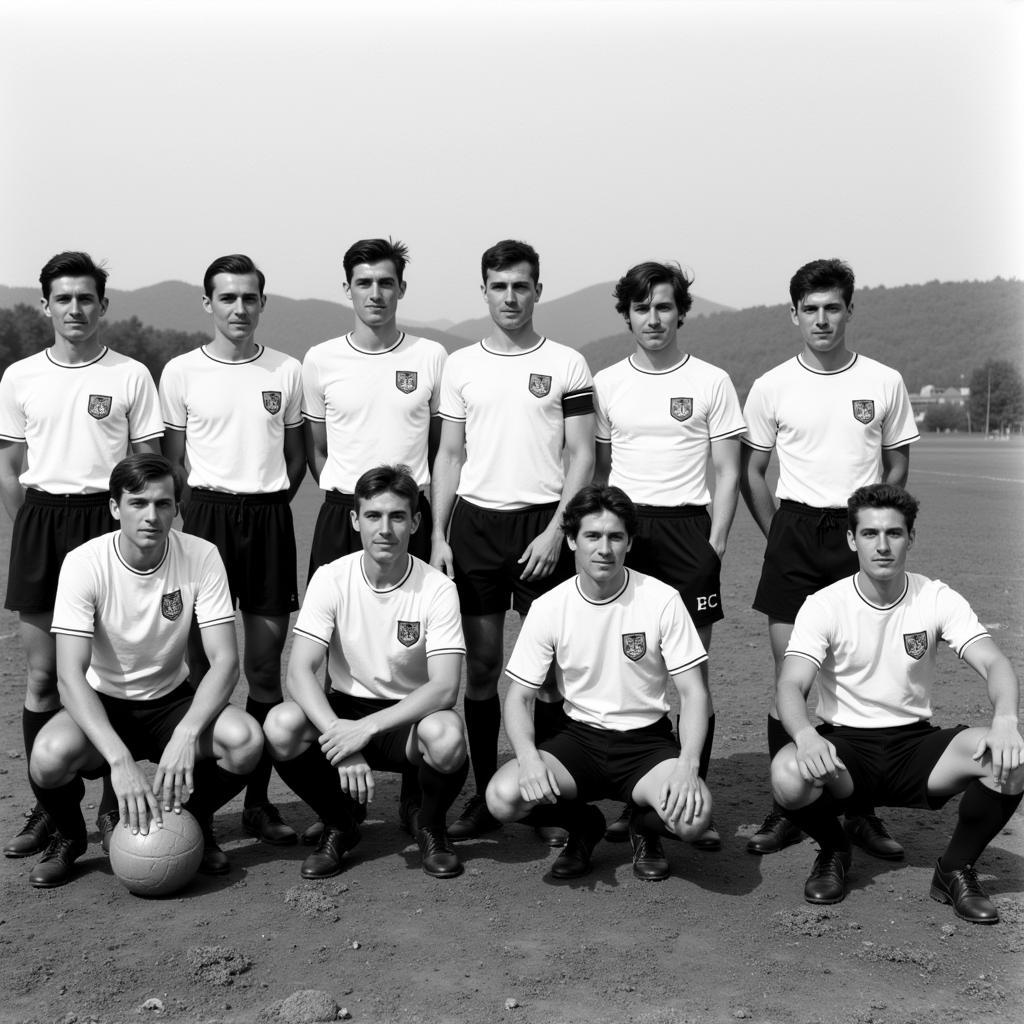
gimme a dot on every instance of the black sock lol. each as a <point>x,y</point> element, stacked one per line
<point>259,780</point>
<point>647,819</point>
<point>705,751</point>
<point>819,820</point>
<point>982,814</point>
<point>483,721</point>
<point>410,793</point>
<point>439,790</point>
<point>64,806</point>
<point>108,799</point>
<point>777,736</point>
<point>312,777</point>
<point>548,719</point>
<point>213,787</point>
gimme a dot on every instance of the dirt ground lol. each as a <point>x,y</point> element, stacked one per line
<point>727,937</point>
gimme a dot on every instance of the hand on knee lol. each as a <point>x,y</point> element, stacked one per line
<point>789,788</point>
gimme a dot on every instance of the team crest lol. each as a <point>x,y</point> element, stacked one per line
<point>405,381</point>
<point>863,410</point>
<point>408,633</point>
<point>99,406</point>
<point>681,408</point>
<point>272,402</point>
<point>915,644</point>
<point>540,385</point>
<point>634,645</point>
<point>171,605</point>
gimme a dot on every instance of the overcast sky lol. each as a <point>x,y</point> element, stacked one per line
<point>739,138</point>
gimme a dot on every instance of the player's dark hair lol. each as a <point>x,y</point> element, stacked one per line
<point>376,250</point>
<point>236,263</point>
<point>132,474</point>
<point>820,276</point>
<point>594,498</point>
<point>882,496</point>
<point>638,282</point>
<point>388,479</point>
<point>72,264</point>
<point>508,253</point>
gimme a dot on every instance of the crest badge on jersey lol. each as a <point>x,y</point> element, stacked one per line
<point>681,408</point>
<point>171,605</point>
<point>99,406</point>
<point>406,380</point>
<point>540,385</point>
<point>863,410</point>
<point>915,644</point>
<point>408,633</point>
<point>634,645</point>
<point>272,402</point>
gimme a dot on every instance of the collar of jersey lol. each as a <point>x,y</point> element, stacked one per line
<point>607,600</point>
<point>881,607</point>
<point>260,349</point>
<point>380,352</point>
<point>140,572</point>
<point>828,373</point>
<point>75,366</point>
<point>386,590</point>
<point>512,355</point>
<point>657,373</point>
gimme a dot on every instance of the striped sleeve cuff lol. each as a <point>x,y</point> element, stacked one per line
<point>312,636</point>
<point>964,646</point>
<point>520,679</point>
<point>68,631</point>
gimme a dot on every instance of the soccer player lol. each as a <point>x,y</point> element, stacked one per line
<point>871,641</point>
<point>661,413</point>
<point>511,406</point>
<point>839,421</point>
<point>67,415</point>
<point>123,612</point>
<point>388,624</point>
<point>232,408</point>
<point>617,639</point>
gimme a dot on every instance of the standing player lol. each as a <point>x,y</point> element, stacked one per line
<point>839,421</point>
<point>122,617</point>
<point>233,409</point>
<point>616,639</point>
<point>67,415</point>
<point>661,413</point>
<point>389,625</point>
<point>509,406</point>
<point>871,641</point>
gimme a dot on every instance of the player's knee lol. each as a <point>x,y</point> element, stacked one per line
<point>283,730</point>
<point>240,739</point>
<point>694,829</point>
<point>50,763</point>
<point>788,786</point>
<point>1014,782</point>
<point>443,741</point>
<point>503,796</point>
<point>483,669</point>
<point>41,682</point>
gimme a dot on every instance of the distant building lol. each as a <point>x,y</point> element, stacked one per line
<point>930,396</point>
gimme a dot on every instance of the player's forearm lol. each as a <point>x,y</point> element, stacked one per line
<point>444,484</point>
<point>212,694</point>
<point>435,695</point>
<point>694,709</point>
<point>12,494</point>
<point>308,692</point>
<point>578,473</point>
<point>756,493</point>
<point>723,509</point>
<point>83,704</point>
<point>791,702</point>
<point>896,465</point>
<point>1003,690</point>
<point>517,717</point>
<point>315,444</point>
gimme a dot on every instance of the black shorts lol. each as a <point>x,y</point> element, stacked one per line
<point>671,544</point>
<point>606,763</point>
<point>890,767</point>
<point>46,528</point>
<point>334,535</point>
<point>486,547</point>
<point>386,752</point>
<point>146,726</point>
<point>806,551</point>
<point>256,539</point>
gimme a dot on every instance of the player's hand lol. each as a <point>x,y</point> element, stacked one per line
<point>541,554</point>
<point>441,557</point>
<point>681,797</point>
<point>345,737</point>
<point>537,782</point>
<point>1004,745</point>
<point>175,776</point>
<point>356,779</point>
<point>136,801</point>
<point>816,758</point>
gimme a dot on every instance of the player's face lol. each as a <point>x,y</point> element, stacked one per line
<point>374,292</point>
<point>600,547</point>
<point>146,516</point>
<point>822,318</point>
<point>654,321</point>
<point>385,523</point>
<point>511,295</point>
<point>75,308</point>
<point>882,542</point>
<point>235,305</point>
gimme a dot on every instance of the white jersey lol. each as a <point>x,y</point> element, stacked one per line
<point>234,416</point>
<point>877,663</point>
<point>379,641</point>
<point>376,405</point>
<point>829,427</point>
<point>139,622</point>
<point>660,425</point>
<point>77,420</point>
<point>514,406</point>
<point>613,658</point>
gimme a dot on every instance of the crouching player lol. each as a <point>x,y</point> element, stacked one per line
<point>871,641</point>
<point>389,626</point>
<point>124,606</point>
<point>617,639</point>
